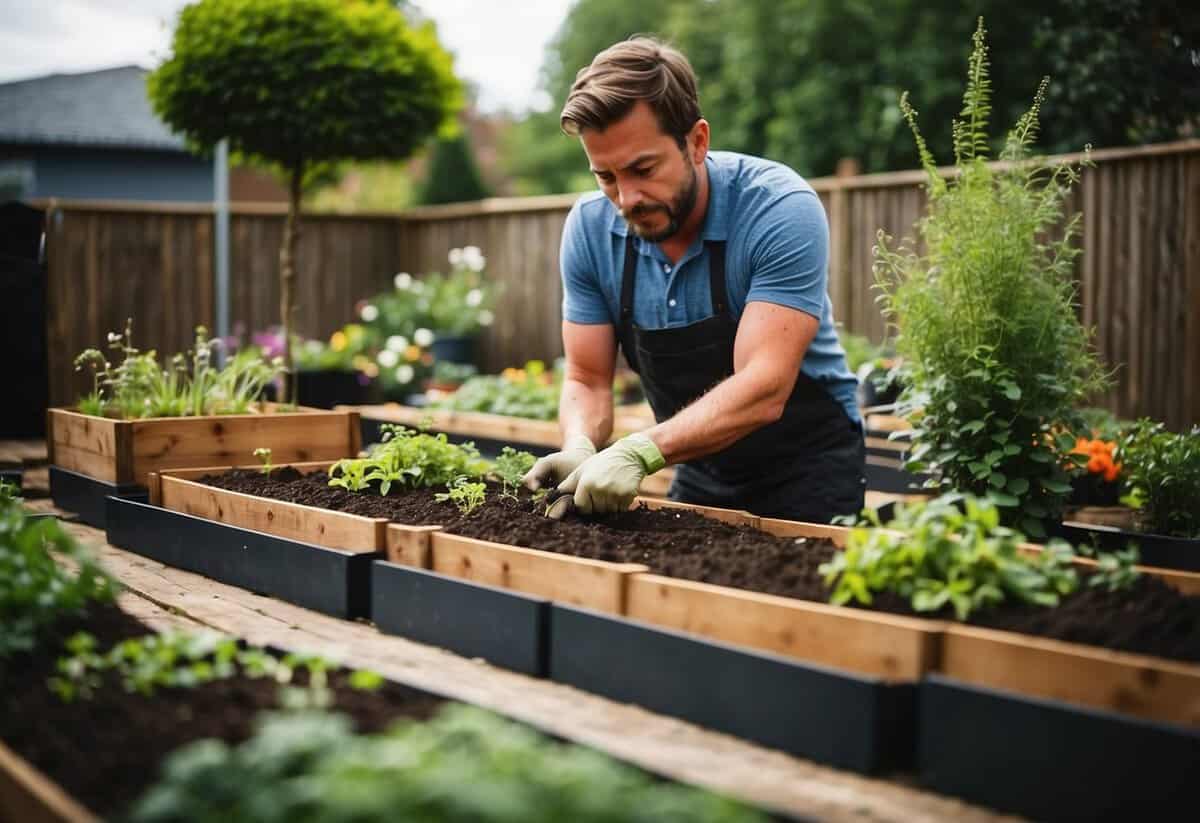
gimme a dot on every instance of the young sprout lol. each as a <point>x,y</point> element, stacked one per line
<point>264,454</point>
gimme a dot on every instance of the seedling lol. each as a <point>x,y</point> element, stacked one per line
<point>466,495</point>
<point>409,459</point>
<point>264,454</point>
<point>511,466</point>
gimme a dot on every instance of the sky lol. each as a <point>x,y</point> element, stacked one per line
<point>498,46</point>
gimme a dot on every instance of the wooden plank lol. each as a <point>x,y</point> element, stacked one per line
<point>797,528</point>
<point>410,545</point>
<point>515,430</point>
<point>28,796</point>
<point>1138,685</point>
<point>94,465</point>
<point>894,648</point>
<point>292,521</point>
<point>734,517</point>
<point>83,432</point>
<point>576,581</point>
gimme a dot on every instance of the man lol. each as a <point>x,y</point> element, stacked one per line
<point>708,269</point>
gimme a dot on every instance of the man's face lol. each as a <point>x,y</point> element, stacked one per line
<point>644,173</point>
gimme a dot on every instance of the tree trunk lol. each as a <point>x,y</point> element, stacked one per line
<point>287,279</point>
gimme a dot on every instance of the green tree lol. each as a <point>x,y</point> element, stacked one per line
<point>301,85</point>
<point>453,174</point>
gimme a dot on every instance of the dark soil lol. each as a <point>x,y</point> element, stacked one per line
<point>106,751</point>
<point>1149,617</point>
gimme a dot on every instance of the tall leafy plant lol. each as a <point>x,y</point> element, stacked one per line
<point>985,306</point>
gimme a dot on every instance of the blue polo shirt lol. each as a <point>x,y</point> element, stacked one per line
<point>777,251</point>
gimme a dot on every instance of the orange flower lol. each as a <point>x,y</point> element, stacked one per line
<point>1111,472</point>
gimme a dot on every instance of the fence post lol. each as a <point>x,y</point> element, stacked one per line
<point>841,279</point>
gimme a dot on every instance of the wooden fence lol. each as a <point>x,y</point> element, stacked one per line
<point>1139,273</point>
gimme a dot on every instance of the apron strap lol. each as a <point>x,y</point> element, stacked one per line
<point>716,276</point>
<point>716,282</point>
<point>628,278</point>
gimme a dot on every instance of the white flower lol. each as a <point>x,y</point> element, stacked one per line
<point>474,297</point>
<point>313,346</point>
<point>403,280</point>
<point>456,257</point>
<point>416,287</point>
<point>486,318</point>
<point>369,312</point>
<point>423,337</point>
<point>397,342</point>
<point>405,374</point>
<point>473,258</point>
<point>114,337</point>
<point>388,358</point>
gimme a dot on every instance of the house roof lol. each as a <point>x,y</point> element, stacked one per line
<point>106,108</point>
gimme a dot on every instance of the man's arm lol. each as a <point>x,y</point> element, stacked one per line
<point>586,405</point>
<point>770,346</point>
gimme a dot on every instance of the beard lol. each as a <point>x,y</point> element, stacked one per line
<point>676,211</point>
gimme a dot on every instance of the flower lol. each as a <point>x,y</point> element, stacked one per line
<point>402,280</point>
<point>369,312</point>
<point>474,297</point>
<point>423,337</point>
<point>486,318</point>
<point>455,257</point>
<point>388,358</point>
<point>412,354</point>
<point>405,374</point>
<point>473,258</point>
<point>397,342</point>
<point>337,341</point>
<point>313,346</point>
<point>371,370</point>
<point>427,358</point>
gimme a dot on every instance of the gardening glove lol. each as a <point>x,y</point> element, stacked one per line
<point>555,467</point>
<point>608,481</point>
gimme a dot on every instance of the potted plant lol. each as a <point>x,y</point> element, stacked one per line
<point>142,416</point>
<point>995,360</point>
<point>449,376</point>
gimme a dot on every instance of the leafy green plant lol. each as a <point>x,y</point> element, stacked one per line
<point>463,493</point>
<point>409,459</point>
<point>137,386</point>
<point>1162,477</point>
<point>464,765</point>
<point>37,592</point>
<point>935,554</point>
<point>511,466</point>
<point>264,454</point>
<point>995,359</point>
<point>529,392</point>
<point>190,659</point>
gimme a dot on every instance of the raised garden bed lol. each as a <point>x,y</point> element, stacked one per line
<point>1158,550</point>
<point>119,455</point>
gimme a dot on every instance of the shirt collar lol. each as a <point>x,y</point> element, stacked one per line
<point>715,225</point>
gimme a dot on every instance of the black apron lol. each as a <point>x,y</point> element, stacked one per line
<point>808,465</point>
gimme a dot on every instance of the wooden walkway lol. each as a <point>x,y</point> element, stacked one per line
<point>168,598</point>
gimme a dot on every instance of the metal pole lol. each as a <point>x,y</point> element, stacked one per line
<point>221,234</point>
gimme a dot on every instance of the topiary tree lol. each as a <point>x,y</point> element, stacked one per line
<point>453,174</point>
<point>302,84</point>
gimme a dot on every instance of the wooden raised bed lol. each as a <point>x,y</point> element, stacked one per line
<point>28,796</point>
<point>127,451</point>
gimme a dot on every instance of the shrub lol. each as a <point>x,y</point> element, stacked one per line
<point>995,359</point>
<point>1162,477</point>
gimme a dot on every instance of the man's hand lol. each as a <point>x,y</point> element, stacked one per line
<point>608,481</point>
<point>558,466</point>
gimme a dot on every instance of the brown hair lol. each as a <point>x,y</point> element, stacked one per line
<point>640,68</point>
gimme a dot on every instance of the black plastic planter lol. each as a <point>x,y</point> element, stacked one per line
<point>85,496</point>
<point>841,719</point>
<point>326,388</point>
<point>1179,553</point>
<point>12,477</point>
<point>505,628</point>
<point>1051,760</point>
<point>332,581</point>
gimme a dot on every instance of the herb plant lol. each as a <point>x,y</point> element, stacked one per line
<point>464,765</point>
<point>190,385</point>
<point>463,493</point>
<point>511,466</point>
<point>995,359</point>
<point>409,459</point>
<point>530,392</point>
<point>1162,477</point>
<point>35,591</point>
<point>935,555</point>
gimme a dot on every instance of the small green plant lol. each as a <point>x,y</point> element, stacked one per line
<point>463,493</point>
<point>190,659</point>
<point>264,454</point>
<point>409,459</point>
<point>1162,477</point>
<point>528,392</point>
<point>511,466</point>
<point>463,765</point>
<point>139,387</point>
<point>35,590</point>
<point>995,358</point>
<point>949,551</point>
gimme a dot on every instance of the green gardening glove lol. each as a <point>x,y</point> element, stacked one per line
<point>609,480</point>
